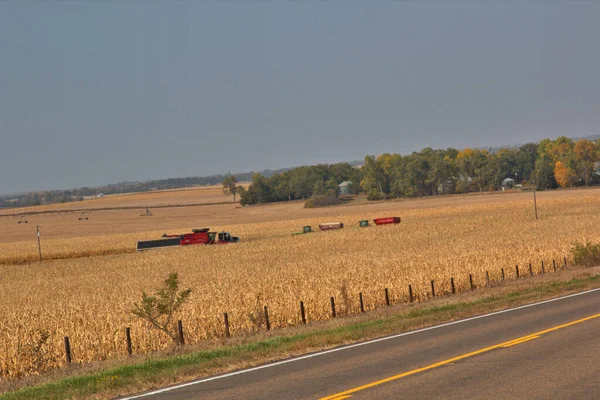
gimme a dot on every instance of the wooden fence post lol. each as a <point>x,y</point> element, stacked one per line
<point>180,332</point>
<point>565,263</point>
<point>128,338</point>
<point>530,270</point>
<point>471,281</point>
<point>302,312</point>
<point>360,299</point>
<point>517,270</point>
<point>67,351</point>
<point>432,289</point>
<point>332,307</point>
<point>554,265</point>
<point>267,322</point>
<point>487,278</point>
<point>502,274</point>
<point>452,285</point>
<point>387,297</point>
<point>226,321</point>
<point>410,294</point>
<point>543,270</point>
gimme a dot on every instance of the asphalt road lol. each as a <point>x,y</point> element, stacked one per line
<point>548,350</point>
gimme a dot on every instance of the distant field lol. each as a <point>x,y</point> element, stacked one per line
<point>89,298</point>
<point>200,195</point>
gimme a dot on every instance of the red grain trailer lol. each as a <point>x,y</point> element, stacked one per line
<point>387,220</point>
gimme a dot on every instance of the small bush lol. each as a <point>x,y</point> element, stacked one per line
<point>322,201</point>
<point>586,254</point>
<point>346,302</point>
<point>159,309</point>
<point>257,316</point>
<point>374,194</point>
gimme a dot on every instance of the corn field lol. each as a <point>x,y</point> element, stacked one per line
<point>90,299</point>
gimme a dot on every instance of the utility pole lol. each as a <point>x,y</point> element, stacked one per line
<point>534,201</point>
<point>39,244</point>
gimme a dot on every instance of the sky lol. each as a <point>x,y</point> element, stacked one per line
<point>98,92</point>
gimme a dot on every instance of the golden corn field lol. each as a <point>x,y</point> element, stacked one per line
<point>89,299</point>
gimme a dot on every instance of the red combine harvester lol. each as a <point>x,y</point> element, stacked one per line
<point>387,220</point>
<point>198,236</point>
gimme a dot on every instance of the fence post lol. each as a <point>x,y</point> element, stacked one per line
<point>543,270</point>
<point>554,265</point>
<point>452,285</point>
<point>128,338</point>
<point>530,270</point>
<point>502,274</point>
<point>332,307</point>
<point>362,306</point>
<point>565,262</point>
<point>432,289</point>
<point>410,294</point>
<point>67,351</point>
<point>267,322</point>
<point>226,321</point>
<point>387,297</point>
<point>517,269</point>
<point>302,312</point>
<point>487,278</point>
<point>471,281</point>
<point>180,332</point>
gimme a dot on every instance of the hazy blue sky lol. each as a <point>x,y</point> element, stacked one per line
<point>100,92</point>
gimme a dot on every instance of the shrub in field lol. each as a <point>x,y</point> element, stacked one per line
<point>374,194</point>
<point>587,254</point>
<point>158,310</point>
<point>257,316</point>
<point>321,201</point>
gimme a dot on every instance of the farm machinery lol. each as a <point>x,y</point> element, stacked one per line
<point>387,220</point>
<point>325,226</point>
<point>198,236</point>
<point>330,225</point>
<point>380,221</point>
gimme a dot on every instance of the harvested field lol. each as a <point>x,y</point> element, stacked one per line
<point>89,299</point>
<point>159,198</point>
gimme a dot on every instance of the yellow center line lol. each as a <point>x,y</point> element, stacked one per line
<point>348,393</point>
<point>527,339</point>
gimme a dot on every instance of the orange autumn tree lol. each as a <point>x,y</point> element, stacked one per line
<point>563,175</point>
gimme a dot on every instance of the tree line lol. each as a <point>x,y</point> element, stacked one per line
<point>549,164</point>
<point>64,196</point>
<point>561,162</point>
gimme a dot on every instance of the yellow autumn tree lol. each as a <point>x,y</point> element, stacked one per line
<point>564,175</point>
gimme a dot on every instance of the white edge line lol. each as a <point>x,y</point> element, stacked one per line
<point>320,353</point>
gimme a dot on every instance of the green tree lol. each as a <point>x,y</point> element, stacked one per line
<point>472,164</point>
<point>261,187</point>
<point>373,176</point>
<point>526,158</point>
<point>585,156</point>
<point>159,309</point>
<point>283,187</point>
<point>230,186</point>
<point>302,183</point>
<point>319,188</point>
<point>248,197</point>
<point>544,173</point>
